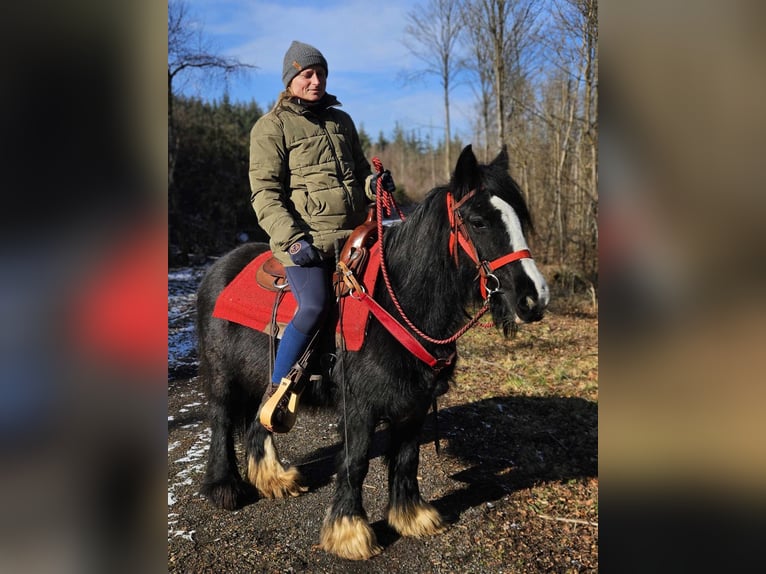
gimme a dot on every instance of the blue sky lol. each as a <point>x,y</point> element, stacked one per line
<point>362,41</point>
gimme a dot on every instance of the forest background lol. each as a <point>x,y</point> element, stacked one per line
<point>533,67</point>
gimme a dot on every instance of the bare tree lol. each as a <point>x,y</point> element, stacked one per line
<point>575,46</point>
<point>480,64</point>
<point>505,31</point>
<point>585,27</point>
<point>544,109</point>
<point>188,50</point>
<point>432,36</point>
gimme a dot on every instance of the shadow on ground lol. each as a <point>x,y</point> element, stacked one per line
<point>504,444</point>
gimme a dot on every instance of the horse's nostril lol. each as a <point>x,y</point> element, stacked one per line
<point>526,303</point>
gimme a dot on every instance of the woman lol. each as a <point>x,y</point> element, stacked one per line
<point>310,185</point>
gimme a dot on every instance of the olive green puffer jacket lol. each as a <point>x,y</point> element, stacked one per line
<point>309,178</point>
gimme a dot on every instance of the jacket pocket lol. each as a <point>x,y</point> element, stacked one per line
<point>327,203</point>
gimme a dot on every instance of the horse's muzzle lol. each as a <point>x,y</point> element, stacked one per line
<point>530,309</point>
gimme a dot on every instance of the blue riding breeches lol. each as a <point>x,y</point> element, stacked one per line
<point>312,288</point>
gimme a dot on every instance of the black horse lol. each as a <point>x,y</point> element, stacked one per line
<point>434,279</point>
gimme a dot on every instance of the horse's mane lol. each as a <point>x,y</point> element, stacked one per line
<point>421,270</point>
<point>423,232</point>
<point>427,220</point>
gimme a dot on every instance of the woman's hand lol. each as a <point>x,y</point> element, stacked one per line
<point>303,254</point>
<point>386,181</point>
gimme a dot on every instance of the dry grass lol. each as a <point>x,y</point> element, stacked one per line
<point>557,356</point>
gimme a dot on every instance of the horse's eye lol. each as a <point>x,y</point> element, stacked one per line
<point>477,223</point>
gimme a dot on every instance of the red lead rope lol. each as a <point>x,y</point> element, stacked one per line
<point>402,335</point>
<point>383,199</point>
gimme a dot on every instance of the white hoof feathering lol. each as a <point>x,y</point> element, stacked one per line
<point>271,478</point>
<point>416,520</point>
<point>349,537</point>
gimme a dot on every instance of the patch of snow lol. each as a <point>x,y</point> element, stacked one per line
<point>182,299</point>
<point>194,454</point>
<point>193,466</point>
<point>184,534</point>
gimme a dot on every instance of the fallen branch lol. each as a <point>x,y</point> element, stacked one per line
<point>571,520</point>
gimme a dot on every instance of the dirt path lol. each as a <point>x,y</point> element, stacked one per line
<point>517,473</point>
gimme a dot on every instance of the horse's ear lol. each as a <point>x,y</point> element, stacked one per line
<point>502,161</point>
<point>466,175</point>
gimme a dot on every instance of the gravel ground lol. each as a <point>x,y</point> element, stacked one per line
<point>516,476</point>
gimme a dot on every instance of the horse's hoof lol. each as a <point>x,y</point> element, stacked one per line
<point>349,537</point>
<point>274,480</point>
<point>229,494</point>
<point>417,520</point>
<point>271,478</point>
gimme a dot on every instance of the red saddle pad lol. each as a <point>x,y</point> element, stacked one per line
<point>245,302</point>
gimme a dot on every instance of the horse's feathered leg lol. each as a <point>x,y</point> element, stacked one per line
<point>346,531</point>
<point>407,512</point>
<point>264,469</point>
<point>223,485</point>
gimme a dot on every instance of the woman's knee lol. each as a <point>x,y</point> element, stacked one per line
<point>308,316</point>
<point>312,287</point>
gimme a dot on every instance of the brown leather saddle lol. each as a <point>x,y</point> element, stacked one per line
<point>355,254</point>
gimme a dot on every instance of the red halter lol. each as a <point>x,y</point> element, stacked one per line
<point>459,235</point>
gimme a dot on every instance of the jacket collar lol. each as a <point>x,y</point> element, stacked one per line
<point>327,101</point>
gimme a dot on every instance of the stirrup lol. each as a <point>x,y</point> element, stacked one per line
<point>279,412</point>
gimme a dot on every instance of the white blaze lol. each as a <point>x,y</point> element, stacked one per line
<point>519,242</point>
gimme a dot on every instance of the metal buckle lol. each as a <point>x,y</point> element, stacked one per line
<point>491,290</point>
<point>349,279</point>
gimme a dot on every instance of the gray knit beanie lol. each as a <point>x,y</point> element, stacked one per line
<point>298,57</point>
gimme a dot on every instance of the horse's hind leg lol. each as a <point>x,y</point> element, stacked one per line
<point>223,485</point>
<point>407,512</point>
<point>346,532</point>
<point>264,469</point>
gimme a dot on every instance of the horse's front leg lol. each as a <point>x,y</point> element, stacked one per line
<point>346,531</point>
<point>265,470</point>
<point>407,512</point>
